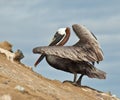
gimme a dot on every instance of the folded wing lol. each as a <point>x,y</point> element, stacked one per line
<point>69,52</point>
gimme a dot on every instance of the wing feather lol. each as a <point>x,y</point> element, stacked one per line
<point>88,40</point>
<point>69,52</point>
<point>83,33</point>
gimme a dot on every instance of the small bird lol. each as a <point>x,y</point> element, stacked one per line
<point>78,58</point>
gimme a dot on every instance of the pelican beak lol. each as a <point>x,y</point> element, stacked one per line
<point>56,39</point>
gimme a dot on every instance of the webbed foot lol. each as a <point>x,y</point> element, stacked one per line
<point>71,82</point>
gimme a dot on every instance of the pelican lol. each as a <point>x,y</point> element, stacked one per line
<point>78,58</point>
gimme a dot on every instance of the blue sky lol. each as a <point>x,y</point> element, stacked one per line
<point>30,23</point>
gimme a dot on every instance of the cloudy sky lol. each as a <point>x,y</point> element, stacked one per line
<point>30,23</point>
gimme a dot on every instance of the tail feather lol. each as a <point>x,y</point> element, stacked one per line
<point>96,73</point>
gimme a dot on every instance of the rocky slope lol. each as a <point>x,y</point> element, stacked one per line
<point>19,82</point>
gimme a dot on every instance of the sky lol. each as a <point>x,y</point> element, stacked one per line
<point>30,23</point>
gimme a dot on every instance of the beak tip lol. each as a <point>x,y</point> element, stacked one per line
<point>39,60</point>
<point>35,65</point>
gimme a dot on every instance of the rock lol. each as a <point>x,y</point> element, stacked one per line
<point>6,45</point>
<point>5,97</point>
<point>20,88</point>
<point>6,49</point>
<point>18,55</point>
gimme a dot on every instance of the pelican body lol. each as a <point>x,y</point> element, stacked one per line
<point>78,58</point>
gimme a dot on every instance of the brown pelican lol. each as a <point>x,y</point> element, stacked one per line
<point>76,59</point>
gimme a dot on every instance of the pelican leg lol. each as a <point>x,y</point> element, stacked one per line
<point>75,77</point>
<point>74,80</point>
<point>79,80</point>
<point>67,81</point>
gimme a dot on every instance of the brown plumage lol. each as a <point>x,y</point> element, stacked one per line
<point>75,59</point>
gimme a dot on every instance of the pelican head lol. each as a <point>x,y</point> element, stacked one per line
<point>60,38</point>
